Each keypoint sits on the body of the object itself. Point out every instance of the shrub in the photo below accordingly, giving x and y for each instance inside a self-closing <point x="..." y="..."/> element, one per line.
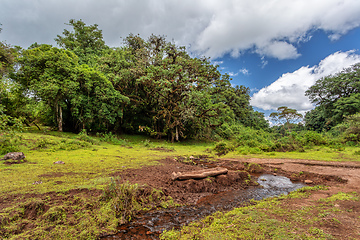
<point x="350" y="128"/>
<point x="9" y="139"/>
<point x="315" y="138"/>
<point x="223" y="148"/>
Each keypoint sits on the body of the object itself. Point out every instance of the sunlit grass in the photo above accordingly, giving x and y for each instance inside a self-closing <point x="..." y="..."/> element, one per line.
<point x="315" y="153"/>
<point x="88" y="166"/>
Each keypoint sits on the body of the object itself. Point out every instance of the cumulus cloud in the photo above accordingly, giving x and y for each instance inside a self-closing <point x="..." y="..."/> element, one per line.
<point x="289" y="89"/>
<point x="279" y="50"/>
<point x="207" y="27"/>
<point x="273" y="27"/>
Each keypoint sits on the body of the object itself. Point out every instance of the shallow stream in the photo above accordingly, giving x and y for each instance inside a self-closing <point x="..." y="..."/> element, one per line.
<point x="151" y="224"/>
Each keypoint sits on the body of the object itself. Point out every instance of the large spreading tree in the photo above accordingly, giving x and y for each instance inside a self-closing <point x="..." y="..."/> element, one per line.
<point x="335" y="96"/>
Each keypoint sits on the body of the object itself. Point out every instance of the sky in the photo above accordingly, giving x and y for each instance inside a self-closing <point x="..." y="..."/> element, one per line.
<point x="276" y="48"/>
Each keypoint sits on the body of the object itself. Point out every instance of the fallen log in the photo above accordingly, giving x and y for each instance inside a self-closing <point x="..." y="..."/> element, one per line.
<point x="198" y="174"/>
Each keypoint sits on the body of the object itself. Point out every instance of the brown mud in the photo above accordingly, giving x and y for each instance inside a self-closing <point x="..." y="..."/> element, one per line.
<point x="200" y="194"/>
<point x="218" y="193"/>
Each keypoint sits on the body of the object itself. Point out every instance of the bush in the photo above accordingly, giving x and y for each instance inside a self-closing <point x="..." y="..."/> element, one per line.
<point x="111" y="138"/>
<point x="9" y="139"/>
<point x="315" y="138"/>
<point x="350" y="129"/>
<point x="223" y="148"/>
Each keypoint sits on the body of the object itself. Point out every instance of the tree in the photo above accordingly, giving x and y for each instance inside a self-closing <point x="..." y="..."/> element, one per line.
<point x="96" y="105"/>
<point x="79" y="96"/>
<point x="48" y="73"/>
<point x="85" y="41"/>
<point x="171" y="94"/>
<point x="286" y="117"/>
<point x="336" y="96"/>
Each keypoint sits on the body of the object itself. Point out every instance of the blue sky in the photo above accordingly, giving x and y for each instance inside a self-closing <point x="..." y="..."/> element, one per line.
<point x="251" y="72"/>
<point x="257" y="72"/>
<point x="277" y="48"/>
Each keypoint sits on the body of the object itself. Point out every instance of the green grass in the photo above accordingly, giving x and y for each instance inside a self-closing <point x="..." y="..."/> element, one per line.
<point x="315" y="153"/>
<point x="86" y="165"/>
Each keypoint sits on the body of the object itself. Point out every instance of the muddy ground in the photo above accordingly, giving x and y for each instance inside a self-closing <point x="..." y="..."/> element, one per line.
<point x="344" y="176"/>
<point x="339" y="176"/>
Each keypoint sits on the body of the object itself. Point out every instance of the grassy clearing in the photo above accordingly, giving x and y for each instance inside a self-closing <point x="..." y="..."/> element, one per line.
<point x="277" y="218"/>
<point x="320" y="153"/>
<point x="88" y="164"/>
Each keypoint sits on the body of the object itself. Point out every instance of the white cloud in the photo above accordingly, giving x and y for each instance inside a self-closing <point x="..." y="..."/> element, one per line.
<point x="279" y="50"/>
<point x="244" y="71"/>
<point x="272" y="28"/>
<point x="231" y="74"/>
<point x="289" y="89"/>
<point x="217" y="62"/>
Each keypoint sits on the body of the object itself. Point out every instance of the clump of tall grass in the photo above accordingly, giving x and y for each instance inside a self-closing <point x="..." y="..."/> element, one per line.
<point x="127" y="199"/>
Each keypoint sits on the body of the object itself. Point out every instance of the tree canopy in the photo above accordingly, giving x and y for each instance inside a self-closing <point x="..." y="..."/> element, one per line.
<point x="335" y="96"/>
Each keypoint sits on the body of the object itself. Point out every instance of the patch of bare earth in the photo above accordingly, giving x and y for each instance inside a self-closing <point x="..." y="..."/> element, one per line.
<point x="187" y="191"/>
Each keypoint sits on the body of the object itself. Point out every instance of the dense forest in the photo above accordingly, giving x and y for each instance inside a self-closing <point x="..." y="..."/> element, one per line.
<point x="155" y="87"/>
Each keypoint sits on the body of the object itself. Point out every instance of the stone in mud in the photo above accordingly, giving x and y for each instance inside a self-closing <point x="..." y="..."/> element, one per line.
<point x="307" y="181"/>
<point x="14" y="156"/>
<point x="59" y="162"/>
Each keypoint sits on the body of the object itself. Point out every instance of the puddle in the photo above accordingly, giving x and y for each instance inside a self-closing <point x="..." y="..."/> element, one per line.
<point x="151" y="224"/>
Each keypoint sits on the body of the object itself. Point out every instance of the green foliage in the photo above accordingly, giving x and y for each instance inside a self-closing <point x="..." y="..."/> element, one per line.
<point x="149" y="85"/>
<point x="342" y="197"/>
<point x="223" y="148"/>
<point x="7" y="59"/>
<point x="85" y="41"/>
<point x="350" y="128"/>
<point x="111" y="138"/>
<point x="79" y="96"/>
<point x="336" y="97"/>
<point x="9" y="139"/>
<point x="286" y="117"/>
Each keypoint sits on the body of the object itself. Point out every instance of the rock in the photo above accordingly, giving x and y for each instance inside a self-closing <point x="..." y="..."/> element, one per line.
<point x="59" y="162"/>
<point x="14" y="156"/>
<point x="307" y="181"/>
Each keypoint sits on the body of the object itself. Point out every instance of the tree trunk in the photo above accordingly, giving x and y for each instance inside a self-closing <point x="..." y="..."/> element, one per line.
<point x="60" y="119"/>
<point x="199" y="174"/>
<point x="176" y="134"/>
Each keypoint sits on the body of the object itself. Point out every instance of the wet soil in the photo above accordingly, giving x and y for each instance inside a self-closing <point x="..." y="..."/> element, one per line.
<point x="226" y="192"/>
